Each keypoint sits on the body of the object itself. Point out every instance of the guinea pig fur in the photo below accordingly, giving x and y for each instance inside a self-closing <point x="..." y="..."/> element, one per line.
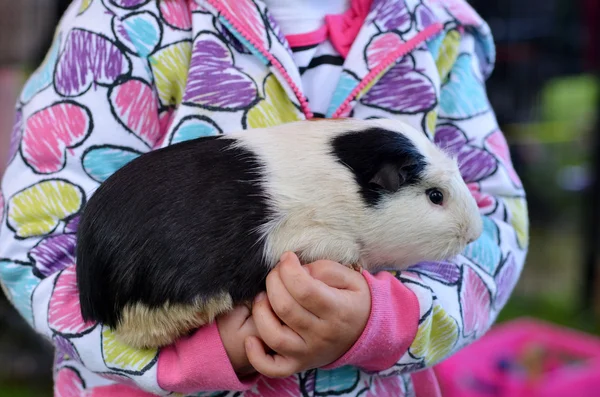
<point x="182" y="234"/>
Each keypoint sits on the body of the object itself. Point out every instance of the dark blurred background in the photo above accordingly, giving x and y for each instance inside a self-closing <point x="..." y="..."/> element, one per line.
<point x="546" y="93"/>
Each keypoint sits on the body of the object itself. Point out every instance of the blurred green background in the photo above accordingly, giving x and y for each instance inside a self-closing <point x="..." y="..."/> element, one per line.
<point x="546" y="94"/>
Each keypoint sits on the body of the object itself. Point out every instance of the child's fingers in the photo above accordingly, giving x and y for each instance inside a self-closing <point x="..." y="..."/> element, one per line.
<point x="235" y="319"/>
<point x="277" y="336"/>
<point x="286" y="307"/>
<point x="272" y="366"/>
<point x="240" y="314"/>
<point x="333" y="274"/>
<point x="312" y="294"/>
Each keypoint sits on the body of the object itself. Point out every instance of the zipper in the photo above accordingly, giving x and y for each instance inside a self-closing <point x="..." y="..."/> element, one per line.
<point x="407" y="47"/>
<point x="276" y="64"/>
<point x="404" y="49"/>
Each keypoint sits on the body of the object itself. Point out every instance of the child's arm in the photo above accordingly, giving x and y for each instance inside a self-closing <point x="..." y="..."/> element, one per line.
<point x="89" y="109"/>
<point x="422" y="316"/>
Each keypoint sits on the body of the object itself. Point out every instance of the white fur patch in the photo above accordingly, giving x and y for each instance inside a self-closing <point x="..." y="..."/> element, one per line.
<point x="319" y="214"/>
<point x="316" y="205"/>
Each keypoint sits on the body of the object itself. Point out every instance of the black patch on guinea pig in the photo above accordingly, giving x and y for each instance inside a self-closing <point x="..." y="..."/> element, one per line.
<point x="175" y="224"/>
<point x="383" y="161"/>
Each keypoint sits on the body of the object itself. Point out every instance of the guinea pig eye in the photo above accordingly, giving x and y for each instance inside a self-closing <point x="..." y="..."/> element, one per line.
<point x="435" y="196"/>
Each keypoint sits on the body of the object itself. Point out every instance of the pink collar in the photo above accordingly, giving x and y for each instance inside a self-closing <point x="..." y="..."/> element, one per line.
<point x="341" y="29"/>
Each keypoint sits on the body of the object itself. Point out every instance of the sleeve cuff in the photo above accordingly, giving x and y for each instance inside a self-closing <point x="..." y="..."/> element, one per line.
<point x="391" y="327"/>
<point x="199" y="363"/>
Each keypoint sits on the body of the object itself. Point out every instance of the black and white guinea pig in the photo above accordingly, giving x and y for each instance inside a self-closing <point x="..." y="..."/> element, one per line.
<point x="182" y="234"/>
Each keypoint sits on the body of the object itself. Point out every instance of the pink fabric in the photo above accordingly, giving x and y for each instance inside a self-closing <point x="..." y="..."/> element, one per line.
<point x="341" y="29"/>
<point x="305" y="39"/>
<point x="391" y="327"/>
<point x="344" y="28"/>
<point x="511" y="343"/>
<point x="199" y="363"/>
<point x="426" y="383"/>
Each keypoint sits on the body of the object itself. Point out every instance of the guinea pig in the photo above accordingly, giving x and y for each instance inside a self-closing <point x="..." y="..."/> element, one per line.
<point x="181" y="234"/>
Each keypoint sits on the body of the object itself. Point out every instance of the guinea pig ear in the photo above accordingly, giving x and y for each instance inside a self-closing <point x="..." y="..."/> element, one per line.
<point x="389" y="178"/>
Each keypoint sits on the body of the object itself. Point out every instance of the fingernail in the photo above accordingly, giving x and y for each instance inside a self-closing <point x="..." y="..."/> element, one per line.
<point x="259" y="297"/>
<point x="284" y="257"/>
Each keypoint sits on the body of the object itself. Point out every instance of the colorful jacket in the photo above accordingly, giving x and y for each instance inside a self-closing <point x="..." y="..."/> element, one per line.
<point x="124" y="77"/>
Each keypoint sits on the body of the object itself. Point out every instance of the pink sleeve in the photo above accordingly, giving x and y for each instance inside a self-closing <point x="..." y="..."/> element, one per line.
<point x="199" y="363"/>
<point x="389" y="330"/>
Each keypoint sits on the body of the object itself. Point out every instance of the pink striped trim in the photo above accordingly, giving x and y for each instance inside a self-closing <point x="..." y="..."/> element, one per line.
<point x="403" y="50"/>
<point x="311" y="38"/>
<point x="303" y="101"/>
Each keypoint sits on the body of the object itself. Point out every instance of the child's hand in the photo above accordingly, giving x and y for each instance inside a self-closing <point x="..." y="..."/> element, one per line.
<point x="324" y="307"/>
<point x="234" y="327"/>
